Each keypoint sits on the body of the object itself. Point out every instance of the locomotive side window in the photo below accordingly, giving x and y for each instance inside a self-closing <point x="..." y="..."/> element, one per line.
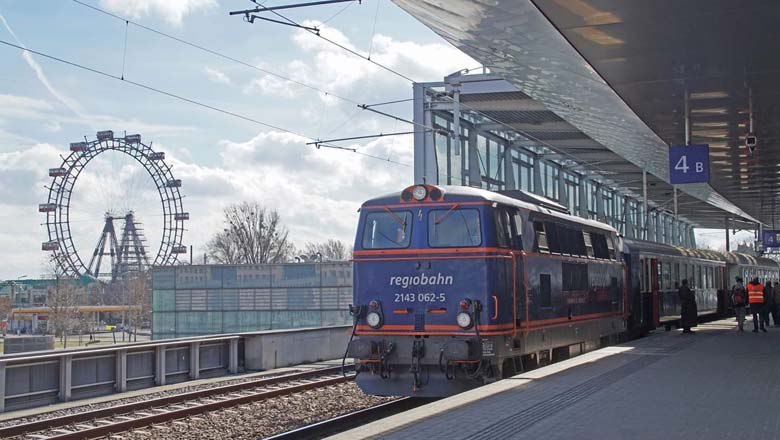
<point x="545" y="290"/>
<point x="610" y="248"/>
<point x="503" y="228"/>
<point x="600" y="249"/>
<point x="454" y="228"/>
<point x="588" y="245"/>
<point x="541" y="238"/>
<point x="387" y="230"/>
<point x="553" y="237"/>
<point x="517" y="227"/>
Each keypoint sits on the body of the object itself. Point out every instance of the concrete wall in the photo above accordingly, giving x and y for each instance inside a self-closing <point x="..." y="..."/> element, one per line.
<point x="282" y="348"/>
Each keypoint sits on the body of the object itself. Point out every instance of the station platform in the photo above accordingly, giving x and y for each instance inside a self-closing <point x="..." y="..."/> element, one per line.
<point x="716" y="384"/>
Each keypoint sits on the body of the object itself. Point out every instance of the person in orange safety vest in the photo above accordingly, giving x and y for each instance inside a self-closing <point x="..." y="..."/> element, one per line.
<point x="756" y="300"/>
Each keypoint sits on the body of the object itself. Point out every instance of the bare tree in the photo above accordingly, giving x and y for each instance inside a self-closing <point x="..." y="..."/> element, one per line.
<point x="139" y="296"/>
<point x="252" y="234"/>
<point x="62" y="302"/>
<point x="331" y="250"/>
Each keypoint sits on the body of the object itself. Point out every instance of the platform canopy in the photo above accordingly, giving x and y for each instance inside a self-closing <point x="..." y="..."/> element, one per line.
<point x="619" y="73"/>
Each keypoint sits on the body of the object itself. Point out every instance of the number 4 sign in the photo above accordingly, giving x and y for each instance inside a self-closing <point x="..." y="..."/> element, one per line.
<point x="689" y="164"/>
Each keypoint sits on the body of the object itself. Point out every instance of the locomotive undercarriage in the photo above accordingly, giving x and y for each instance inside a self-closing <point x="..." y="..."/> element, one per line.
<point x="435" y="366"/>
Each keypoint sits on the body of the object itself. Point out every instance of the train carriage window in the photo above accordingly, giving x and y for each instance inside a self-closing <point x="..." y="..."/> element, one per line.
<point x="710" y="278"/>
<point x="588" y="244"/>
<point x="545" y="290"/>
<point x="643" y="281"/>
<point x="699" y="280"/>
<point x="667" y="276"/>
<point x="387" y="230"/>
<point x="676" y="274"/>
<point x="541" y="238"/>
<point x="517" y="228"/>
<point x="454" y="227"/>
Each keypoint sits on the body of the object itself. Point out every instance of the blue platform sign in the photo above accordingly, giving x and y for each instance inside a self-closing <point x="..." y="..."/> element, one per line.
<point x="689" y="164"/>
<point x="771" y="238"/>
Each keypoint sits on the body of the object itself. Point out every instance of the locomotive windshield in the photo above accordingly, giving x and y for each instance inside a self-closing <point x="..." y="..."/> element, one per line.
<point x="387" y="230"/>
<point x="454" y="227"/>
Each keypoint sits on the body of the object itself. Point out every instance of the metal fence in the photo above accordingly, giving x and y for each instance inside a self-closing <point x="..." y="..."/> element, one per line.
<point x="212" y="299"/>
<point x="42" y="378"/>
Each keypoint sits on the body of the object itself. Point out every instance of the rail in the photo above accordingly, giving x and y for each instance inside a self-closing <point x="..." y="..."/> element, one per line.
<point x="94" y="423"/>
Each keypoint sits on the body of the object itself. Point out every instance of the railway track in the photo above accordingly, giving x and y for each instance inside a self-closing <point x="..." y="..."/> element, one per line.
<point x="121" y="418"/>
<point x="351" y="420"/>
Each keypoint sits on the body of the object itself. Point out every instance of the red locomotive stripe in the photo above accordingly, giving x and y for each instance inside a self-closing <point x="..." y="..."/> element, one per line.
<point x="462" y="257"/>
<point x="486" y="327"/>
<point x="412" y="205"/>
<point x="454" y="250"/>
<point x="425" y="333"/>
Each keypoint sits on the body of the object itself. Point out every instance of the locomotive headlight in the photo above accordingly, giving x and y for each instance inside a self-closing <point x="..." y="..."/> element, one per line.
<point x="374" y="319"/>
<point x="464" y="320"/>
<point x="419" y="192"/>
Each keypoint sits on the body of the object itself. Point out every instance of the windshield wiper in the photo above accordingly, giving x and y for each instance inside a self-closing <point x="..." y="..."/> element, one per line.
<point x="446" y="214"/>
<point x="397" y="219"/>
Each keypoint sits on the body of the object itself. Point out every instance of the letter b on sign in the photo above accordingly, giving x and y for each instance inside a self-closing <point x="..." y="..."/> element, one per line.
<point x="689" y="164"/>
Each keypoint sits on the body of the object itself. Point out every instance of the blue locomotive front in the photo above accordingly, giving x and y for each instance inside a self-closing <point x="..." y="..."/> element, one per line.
<point x="445" y="298"/>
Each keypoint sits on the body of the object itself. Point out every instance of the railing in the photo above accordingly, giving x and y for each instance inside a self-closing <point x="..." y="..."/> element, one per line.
<point x="46" y="377"/>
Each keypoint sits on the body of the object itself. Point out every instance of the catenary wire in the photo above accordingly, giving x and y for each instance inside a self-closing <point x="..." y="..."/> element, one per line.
<point x="175" y="96"/>
<point x="235" y="60"/>
<point x="523" y="133"/>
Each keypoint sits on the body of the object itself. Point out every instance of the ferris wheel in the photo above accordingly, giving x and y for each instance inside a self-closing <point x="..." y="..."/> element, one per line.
<point x="89" y="177"/>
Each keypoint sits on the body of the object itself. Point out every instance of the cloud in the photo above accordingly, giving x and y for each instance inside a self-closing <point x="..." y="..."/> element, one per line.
<point x="332" y="68"/>
<point x="216" y="75"/>
<point x="172" y="11"/>
<point x="270" y="85"/>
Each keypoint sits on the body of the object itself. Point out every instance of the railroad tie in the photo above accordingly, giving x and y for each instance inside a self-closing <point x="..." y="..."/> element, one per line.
<point x="61" y="431"/>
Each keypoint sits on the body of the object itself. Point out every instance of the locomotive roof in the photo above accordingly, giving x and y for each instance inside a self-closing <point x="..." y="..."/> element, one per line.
<point x="455" y="194"/>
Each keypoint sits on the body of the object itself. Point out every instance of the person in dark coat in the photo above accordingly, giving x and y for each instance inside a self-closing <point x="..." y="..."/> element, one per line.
<point x="688" y="313"/>
<point x="769" y="302"/>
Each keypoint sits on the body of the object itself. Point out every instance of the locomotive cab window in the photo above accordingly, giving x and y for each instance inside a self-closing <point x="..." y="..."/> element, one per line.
<point x="454" y="227"/>
<point x="387" y="230"/>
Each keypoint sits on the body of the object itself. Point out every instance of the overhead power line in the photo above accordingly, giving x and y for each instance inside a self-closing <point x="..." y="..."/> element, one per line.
<point x="175" y="96"/>
<point x="523" y="133"/>
<point x="218" y="54"/>
<point x="236" y="60"/>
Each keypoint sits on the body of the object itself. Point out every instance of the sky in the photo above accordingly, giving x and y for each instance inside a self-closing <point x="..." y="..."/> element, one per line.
<point x="221" y="159"/>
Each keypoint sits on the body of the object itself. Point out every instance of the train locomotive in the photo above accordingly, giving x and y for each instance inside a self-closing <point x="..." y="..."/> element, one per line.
<point x="455" y="287"/>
